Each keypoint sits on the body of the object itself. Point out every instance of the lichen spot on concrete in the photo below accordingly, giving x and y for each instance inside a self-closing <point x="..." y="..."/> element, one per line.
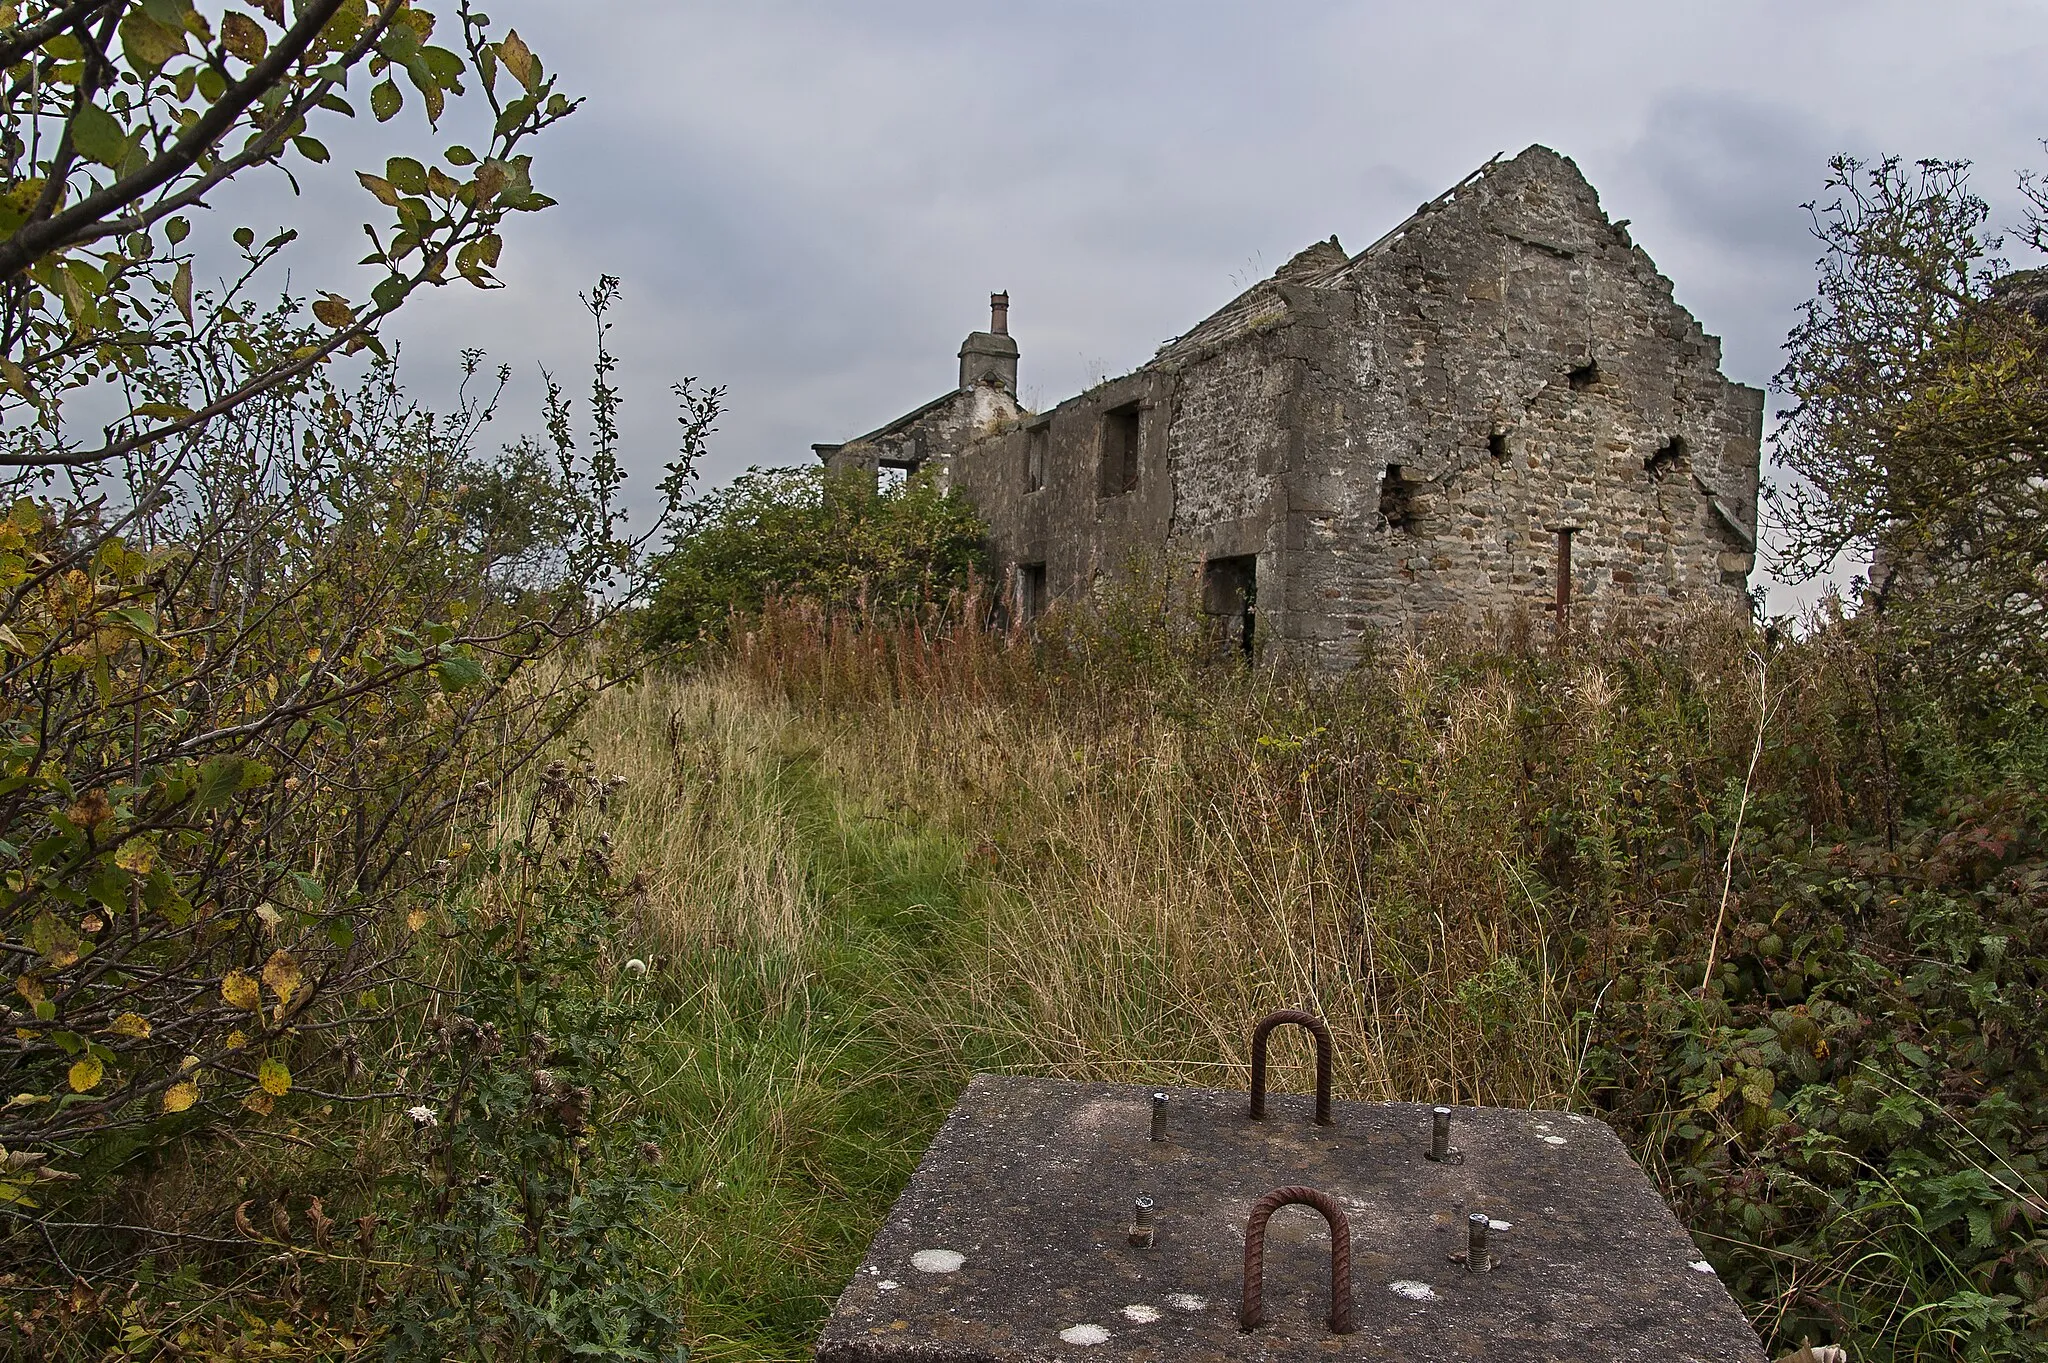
<point x="1186" y="1301"/>
<point x="888" y="1285"/>
<point x="937" y="1261"/>
<point x="1700" y="1266"/>
<point x="1553" y="1140"/>
<point x="1500" y="1225"/>
<point x="1084" y="1334"/>
<point x="1141" y="1314"/>
<point x="1413" y="1291"/>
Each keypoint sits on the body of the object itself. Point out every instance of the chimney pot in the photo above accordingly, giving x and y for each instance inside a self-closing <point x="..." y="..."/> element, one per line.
<point x="999" y="313"/>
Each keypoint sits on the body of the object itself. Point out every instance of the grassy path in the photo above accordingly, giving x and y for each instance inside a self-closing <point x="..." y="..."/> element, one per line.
<point x="800" y="1084"/>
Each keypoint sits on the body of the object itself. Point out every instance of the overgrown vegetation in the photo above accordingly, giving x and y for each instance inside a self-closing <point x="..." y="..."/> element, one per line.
<point x="1786" y="942"/>
<point x="1918" y="378"/>
<point x="390" y="978"/>
<point x="841" y="544"/>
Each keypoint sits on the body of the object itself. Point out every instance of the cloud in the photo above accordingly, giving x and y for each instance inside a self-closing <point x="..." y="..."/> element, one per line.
<point x="810" y="202"/>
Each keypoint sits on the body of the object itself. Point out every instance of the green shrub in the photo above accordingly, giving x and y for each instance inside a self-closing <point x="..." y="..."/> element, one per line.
<point x="800" y="534"/>
<point x="524" y="1210"/>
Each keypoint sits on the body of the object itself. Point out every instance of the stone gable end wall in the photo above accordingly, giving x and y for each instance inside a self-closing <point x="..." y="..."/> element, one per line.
<point x="1468" y="327"/>
<point x="1446" y="353"/>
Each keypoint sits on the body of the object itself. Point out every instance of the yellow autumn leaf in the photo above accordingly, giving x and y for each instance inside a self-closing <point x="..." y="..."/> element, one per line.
<point x="237" y="1039"/>
<point x="240" y="989"/>
<point x="258" y="1102"/>
<point x="180" y="1096"/>
<point x="333" y="311"/>
<point x="416" y="920"/>
<point x="281" y="973"/>
<point x="131" y="1025"/>
<point x="137" y="856"/>
<point x="274" y="1077"/>
<point x="86" y="1074"/>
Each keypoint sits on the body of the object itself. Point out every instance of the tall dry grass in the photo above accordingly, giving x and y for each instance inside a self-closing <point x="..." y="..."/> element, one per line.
<point x="1161" y="849"/>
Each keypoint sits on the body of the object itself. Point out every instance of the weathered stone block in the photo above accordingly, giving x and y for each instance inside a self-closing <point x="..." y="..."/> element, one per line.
<point x="1013" y="1241"/>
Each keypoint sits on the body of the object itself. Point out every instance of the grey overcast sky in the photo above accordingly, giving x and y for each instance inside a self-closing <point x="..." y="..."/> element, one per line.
<point x="810" y="202"/>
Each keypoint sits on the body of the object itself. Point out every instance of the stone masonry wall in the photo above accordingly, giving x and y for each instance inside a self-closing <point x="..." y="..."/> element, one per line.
<point x="1397" y="436"/>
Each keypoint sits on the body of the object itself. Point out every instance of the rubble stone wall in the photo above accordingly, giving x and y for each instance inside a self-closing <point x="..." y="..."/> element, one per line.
<point x="1398" y="437"/>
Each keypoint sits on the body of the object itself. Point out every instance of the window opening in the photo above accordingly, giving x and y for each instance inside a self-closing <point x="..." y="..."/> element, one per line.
<point x="1122" y="431"/>
<point x="1031" y="597"/>
<point x="1584" y="376"/>
<point x="1497" y="444"/>
<point x="1230" y="598"/>
<point x="890" y="478"/>
<point x="1668" y="456"/>
<point x="1035" y="443"/>
<point x="1397" y="498"/>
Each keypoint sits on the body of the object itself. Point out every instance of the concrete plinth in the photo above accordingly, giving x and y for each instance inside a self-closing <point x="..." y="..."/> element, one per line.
<point x="1012" y="1243"/>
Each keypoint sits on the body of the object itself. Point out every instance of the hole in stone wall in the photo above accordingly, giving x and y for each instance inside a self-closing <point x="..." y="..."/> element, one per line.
<point x="1122" y="432"/>
<point x="1584" y="377"/>
<point x="1036" y="443"/>
<point x="1668" y="456"/>
<point x="1230" y="598"/>
<point x="1397" y="498"/>
<point x="1031" y="599"/>
<point x="1497" y="444"/>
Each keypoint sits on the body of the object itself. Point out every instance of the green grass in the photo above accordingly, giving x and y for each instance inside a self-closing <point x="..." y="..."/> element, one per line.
<point x="796" y="1110"/>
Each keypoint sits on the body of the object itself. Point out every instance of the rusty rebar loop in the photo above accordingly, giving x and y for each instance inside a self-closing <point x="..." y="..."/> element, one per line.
<point x="1252" y="1313"/>
<point x="1318" y="1029"/>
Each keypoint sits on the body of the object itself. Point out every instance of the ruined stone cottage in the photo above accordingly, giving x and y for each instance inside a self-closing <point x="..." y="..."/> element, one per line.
<point x="1497" y="407"/>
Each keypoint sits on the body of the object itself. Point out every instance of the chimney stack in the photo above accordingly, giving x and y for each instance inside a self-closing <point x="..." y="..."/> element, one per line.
<point x="991" y="356"/>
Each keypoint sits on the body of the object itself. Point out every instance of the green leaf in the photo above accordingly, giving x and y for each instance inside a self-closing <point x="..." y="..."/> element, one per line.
<point x="409" y="175"/>
<point x="245" y="237"/>
<point x="218" y="782"/>
<point x="52" y="939"/>
<point x="386" y="100"/>
<point x="457" y="673"/>
<point x="99" y="136"/>
<point x="311" y="148"/>
<point x="147" y="44"/>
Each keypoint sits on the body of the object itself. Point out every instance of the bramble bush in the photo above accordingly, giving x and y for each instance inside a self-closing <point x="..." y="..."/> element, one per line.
<point x="524" y="1210"/>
